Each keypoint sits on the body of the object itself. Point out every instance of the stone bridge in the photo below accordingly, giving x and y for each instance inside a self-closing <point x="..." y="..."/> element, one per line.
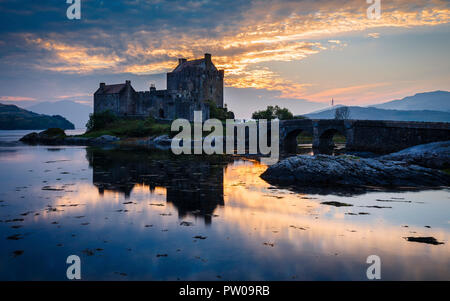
<point x="362" y="135"/>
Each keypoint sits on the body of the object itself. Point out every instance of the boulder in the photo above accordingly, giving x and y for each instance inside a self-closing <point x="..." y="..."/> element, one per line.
<point x="163" y="142"/>
<point x="49" y="136"/>
<point x="324" y="170"/>
<point x="105" y="139"/>
<point x="52" y="133"/>
<point x="78" y="141"/>
<point x="431" y="155"/>
<point x="31" y="138"/>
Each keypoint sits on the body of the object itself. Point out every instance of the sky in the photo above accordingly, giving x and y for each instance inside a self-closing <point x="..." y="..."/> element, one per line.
<point x="297" y="54"/>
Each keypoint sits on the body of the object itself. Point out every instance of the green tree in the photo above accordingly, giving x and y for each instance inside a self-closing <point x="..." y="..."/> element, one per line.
<point x="273" y="113"/>
<point x="100" y="120"/>
<point x="219" y="113"/>
<point x="342" y="113"/>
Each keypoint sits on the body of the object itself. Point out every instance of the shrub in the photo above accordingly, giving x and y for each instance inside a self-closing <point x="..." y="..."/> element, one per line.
<point x="342" y="113"/>
<point x="104" y="125"/>
<point x="219" y="113"/>
<point x="100" y="121"/>
<point x="54" y="133"/>
<point x="273" y="113"/>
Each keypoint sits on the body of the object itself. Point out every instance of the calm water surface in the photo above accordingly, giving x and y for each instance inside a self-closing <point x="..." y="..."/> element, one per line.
<point x="15" y="135"/>
<point x="134" y="215"/>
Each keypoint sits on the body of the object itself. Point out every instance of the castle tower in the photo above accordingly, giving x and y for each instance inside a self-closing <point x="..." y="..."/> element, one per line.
<point x="197" y="80"/>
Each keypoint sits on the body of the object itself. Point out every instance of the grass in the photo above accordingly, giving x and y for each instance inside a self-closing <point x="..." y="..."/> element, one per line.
<point x="129" y="129"/>
<point x="338" y="138"/>
<point x="351" y="157"/>
<point x="305" y="138"/>
<point x="447" y="171"/>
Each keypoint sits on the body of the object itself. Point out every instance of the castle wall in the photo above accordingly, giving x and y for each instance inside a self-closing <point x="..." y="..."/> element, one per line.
<point x="106" y="102"/>
<point x="159" y="105"/>
<point x="164" y="104"/>
<point x="145" y="105"/>
<point x="188" y="87"/>
<point x="122" y="103"/>
<point x="198" y="84"/>
<point x="128" y="101"/>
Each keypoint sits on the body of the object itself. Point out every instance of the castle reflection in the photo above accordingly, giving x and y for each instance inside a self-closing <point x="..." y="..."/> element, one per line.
<point x="194" y="186"/>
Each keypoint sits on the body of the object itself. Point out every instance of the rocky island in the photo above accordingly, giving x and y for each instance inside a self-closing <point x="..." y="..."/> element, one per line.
<point x="395" y="170"/>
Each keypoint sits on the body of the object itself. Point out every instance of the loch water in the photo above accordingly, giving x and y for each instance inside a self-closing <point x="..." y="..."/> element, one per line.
<point x="146" y="215"/>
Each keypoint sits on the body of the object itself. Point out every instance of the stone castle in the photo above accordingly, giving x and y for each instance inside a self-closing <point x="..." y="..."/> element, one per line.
<point x="189" y="88"/>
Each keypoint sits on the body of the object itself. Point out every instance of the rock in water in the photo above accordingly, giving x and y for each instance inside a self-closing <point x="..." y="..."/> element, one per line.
<point x="431" y="155"/>
<point x="30" y="138"/>
<point x="323" y="170"/>
<point x="106" y="139"/>
<point x="49" y="136"/>
<point x="161" y="142"/>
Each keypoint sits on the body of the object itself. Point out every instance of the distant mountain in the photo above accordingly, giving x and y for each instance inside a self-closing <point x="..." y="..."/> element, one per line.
<point x="372" y="113"/>
<point x="14" y="118"/>
<point x="434" y="101"/>
<point x="75" y="112"/>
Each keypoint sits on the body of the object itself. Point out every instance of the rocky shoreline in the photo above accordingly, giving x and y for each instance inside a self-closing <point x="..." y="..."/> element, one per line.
<point x="53" y="137"/>
<point x="432" y="155"/>
<point x="418" y="166"/>
<point x="350" y="171"/>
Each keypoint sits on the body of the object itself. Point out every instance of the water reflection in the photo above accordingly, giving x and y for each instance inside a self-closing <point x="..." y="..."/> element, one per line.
<point x="192" y="186"/>
<point x="307" y="149"/>
<point x="119" y="209"/>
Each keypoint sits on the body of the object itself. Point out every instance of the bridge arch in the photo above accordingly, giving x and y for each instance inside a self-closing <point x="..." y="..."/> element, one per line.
<point x="325" y="143"/>
<point x="290" y="139"/>
<point x="289" y="130"/>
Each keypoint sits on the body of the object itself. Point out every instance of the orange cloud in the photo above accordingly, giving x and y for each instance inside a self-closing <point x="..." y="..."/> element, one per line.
<point x="73" y="58"/>
<point x="243" y="50"/>
<point x="374" y="35"/>
<point x="343" y="92"/>
<point x="16" y="98"/>
<point x="73" y="95"/>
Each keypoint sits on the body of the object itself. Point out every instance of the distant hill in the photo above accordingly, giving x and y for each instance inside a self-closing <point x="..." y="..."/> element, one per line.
<point x="372" y="113"/>
<point x="434" y="101"/>
<point x="75" y="112"/>
<point x="14" y="118"/>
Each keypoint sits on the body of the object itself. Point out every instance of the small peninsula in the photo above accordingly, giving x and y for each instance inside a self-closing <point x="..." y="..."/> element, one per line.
<point x="15" y="118"/>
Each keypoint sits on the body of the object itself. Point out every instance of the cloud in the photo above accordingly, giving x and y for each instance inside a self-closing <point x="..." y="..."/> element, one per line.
<point x="344" y="92"/>
<point x="374" y="35"/>
<point x="73" y="58"/>
<point x="84" y="102"/>
<point x="147" y="37"/>
<point x="16" y="98"/>
<point x="75" y="95"/>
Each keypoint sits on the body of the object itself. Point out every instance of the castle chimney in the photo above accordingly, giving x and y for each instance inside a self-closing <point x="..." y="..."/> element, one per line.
<point x="128" y="82"/>
<point x="181" y="61"/>
<point x="102" y="85"/>
<point x="152" y="88"/>
<point x="208" y="61"/>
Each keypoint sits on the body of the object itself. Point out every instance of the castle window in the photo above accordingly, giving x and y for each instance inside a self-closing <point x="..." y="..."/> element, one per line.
<point x="161" y="113"/>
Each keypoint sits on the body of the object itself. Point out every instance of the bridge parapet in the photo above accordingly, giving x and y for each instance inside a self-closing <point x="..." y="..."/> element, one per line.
<point x="363" y="135"/>
<point x="391" y="136"/>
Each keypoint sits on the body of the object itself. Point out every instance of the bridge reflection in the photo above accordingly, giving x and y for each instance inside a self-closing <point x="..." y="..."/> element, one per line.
<point x="194" y="186"/>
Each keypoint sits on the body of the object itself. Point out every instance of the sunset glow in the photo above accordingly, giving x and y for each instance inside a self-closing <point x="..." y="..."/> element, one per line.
<point x="259" y="46"/>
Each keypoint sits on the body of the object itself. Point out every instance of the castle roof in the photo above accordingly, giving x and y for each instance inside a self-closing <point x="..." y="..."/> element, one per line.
<point x="198" y="63"/>
<point x="113" y="89"/>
